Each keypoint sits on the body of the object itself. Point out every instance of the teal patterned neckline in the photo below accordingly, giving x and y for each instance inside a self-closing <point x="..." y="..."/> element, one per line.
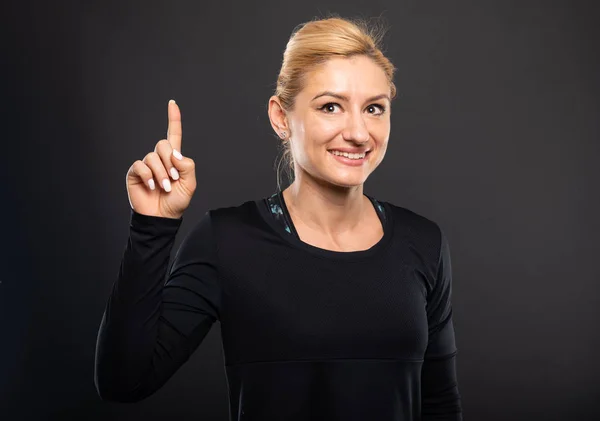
<point x="278" y="209"/>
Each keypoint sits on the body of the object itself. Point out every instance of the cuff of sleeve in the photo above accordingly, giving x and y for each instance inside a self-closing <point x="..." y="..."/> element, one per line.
<point x="148" y="223"/>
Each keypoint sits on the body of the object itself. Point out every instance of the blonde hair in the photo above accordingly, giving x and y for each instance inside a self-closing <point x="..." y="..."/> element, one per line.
<point x="313" y="43"/>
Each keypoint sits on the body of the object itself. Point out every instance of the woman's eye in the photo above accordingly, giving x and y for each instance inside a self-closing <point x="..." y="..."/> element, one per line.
<point x="375" y="106"/>
<point x="329" y="107"/>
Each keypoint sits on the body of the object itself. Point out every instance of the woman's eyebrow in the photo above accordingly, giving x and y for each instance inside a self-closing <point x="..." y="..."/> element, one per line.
<point x="345" y="98"/>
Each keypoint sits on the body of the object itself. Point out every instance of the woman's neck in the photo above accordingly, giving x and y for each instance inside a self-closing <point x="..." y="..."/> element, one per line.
<point x="330" y="210"/>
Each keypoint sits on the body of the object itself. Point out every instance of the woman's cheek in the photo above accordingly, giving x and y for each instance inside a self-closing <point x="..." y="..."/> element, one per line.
<point x="327" y="131"/>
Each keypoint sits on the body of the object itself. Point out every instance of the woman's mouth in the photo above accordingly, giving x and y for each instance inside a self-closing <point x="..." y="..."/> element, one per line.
<point x="351" y="159"/>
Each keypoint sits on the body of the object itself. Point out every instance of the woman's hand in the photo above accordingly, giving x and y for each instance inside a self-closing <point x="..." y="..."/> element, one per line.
<point x="161" y="184"/>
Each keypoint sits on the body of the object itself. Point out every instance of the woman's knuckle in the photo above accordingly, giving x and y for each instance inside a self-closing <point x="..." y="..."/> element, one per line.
<point x="150" y="157"/>
<point x="161" y="145"/>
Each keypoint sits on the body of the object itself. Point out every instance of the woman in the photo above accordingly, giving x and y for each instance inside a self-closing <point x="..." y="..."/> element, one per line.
<point x="333" y="305"/>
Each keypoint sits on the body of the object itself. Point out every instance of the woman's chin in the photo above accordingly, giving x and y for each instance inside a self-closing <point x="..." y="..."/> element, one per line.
<point x="346" y="181"/>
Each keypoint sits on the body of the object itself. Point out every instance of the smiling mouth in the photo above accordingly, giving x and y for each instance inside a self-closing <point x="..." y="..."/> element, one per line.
<point x="353" y="157"/>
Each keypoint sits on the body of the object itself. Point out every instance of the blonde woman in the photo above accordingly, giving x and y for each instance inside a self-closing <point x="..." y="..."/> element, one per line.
<point x="333" y="305"/>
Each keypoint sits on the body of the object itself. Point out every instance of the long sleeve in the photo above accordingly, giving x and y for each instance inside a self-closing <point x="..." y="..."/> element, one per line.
<point x="156" y="317"/>
<point x="440" y="395"/>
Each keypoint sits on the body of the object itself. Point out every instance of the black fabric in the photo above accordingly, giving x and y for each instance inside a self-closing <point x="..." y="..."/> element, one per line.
<point x="308" y="333"/>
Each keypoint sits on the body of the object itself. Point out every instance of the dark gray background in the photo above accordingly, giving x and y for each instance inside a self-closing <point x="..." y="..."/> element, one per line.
<point x="494" y="136"/>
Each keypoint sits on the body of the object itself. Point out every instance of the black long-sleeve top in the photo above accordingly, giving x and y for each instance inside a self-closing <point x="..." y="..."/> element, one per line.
<point x="308" y="333"/>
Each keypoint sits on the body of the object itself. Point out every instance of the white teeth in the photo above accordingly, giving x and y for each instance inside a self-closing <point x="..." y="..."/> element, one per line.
<point x="349" y="155"/>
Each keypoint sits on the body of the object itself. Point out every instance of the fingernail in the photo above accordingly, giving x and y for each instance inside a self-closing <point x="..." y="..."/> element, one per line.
<point x="177" y="154"/>
<point x="167" y="184"/>
<point x="172" y="101"/>
<point x="174" y="173"/>
<point x="151" y="184"/>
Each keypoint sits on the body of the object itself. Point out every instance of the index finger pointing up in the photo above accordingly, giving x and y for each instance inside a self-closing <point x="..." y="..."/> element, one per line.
<point x="174" y="129"/>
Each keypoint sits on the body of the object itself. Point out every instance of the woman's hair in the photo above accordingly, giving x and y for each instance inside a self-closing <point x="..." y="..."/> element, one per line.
<point x="313" y="43"/>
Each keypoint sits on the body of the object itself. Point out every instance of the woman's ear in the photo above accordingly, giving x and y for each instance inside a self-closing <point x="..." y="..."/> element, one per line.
<point x="278" y="118"/>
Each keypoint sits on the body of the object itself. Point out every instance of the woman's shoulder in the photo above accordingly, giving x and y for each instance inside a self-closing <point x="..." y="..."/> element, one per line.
<point x="245" y="211"/>
<point x="409" y="219"/>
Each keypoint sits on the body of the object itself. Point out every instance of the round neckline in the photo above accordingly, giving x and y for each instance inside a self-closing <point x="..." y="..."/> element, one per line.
<point x="294" y="239"/>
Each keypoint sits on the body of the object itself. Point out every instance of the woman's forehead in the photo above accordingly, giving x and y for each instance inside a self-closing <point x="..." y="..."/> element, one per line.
<point x="355" y="76"/>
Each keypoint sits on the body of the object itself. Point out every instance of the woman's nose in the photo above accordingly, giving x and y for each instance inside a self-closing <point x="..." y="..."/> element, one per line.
<point x="356" y="129"/>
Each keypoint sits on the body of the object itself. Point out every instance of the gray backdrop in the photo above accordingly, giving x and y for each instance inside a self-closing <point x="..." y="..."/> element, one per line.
<point x="494" y="136"/>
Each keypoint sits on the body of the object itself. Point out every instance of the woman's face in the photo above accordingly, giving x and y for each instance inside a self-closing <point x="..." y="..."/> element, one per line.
<point x="345" y="105"/>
